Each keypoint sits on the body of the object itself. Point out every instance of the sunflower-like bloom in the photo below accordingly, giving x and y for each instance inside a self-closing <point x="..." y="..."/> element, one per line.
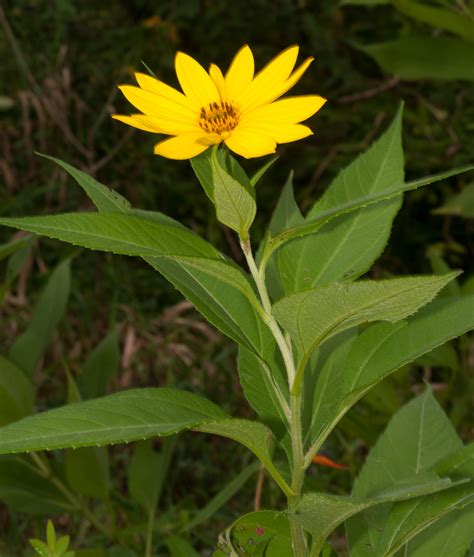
<point x="239" y="108"/>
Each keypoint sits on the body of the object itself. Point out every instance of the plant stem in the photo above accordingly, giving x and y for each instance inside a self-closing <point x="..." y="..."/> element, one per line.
<point x="300" y="548"/>
<point x="149" y="533"/>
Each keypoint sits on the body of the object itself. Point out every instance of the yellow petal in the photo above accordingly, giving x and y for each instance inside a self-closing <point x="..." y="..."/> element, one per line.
<point x="156" y="86"/>
<point x="290" y="110"/>
<point x="134" y="122"/>
<point x="281" y="132"/>
<point x="157" y="105"/>
<point x="182" y="147"/>
<point x="240" y="73"/>
<point x="294" y="78"/>
<point x="216" y="76"/>
<point x="195" y="81"/>
<point x="249" y="144"/>
<point x="168" y="126"/>
<point x="269" y="80"/>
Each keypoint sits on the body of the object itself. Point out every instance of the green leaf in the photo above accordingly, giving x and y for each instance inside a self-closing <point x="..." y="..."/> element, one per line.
<point x="24" y="489"/>
<point x="348" y="246"/>
<point x="312" y="225"/>
<point x="457" y="23"/>
<point x="218" y="288"/>
<point x="255" y="179"/>
<point x="417" y="438"/>
<point x="101" y="366"/>
<point x="104" y="198"/>
<point x="424" y="57"/>
<point x="118" y="418"/>
<point x="16" y="393"/>
<point x="228" y="187"/>
<point x="263" y="533"/>
<point x="461" y="204"/>
<point x="147" y="472"/>
<point x="117" y="233"/>
<point x="313" y="316"/>
<point x="383" y="348"/>
<point x="50" y="535"/>
<point x="221" y="498"/>
<point x="31" y="345"/>
<point x="253" y="435"/>
<point x="321" y="513"/>
<point x="62" y="545"/>
<point x="41" y="548"/>
<point x="87" y="471"/>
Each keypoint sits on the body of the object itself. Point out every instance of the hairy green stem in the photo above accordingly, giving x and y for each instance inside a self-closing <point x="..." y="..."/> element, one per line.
<point x="300" y="548"/>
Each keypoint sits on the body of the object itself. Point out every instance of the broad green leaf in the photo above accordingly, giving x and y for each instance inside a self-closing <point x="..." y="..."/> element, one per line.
<point x="383" y="348"/>
<point x="285" y="216"/>
<point x="457" y="23"/>
<point x="118" y="418"/>
<point x="253" y="435"/>
<point x="323" y="382"/>
<point x="104" y="198"/>
<point x="312" y="225"/>
<point x="87" y="471"/>
<point x="16" y="393"/>
<point x="24" y="489"/>
<point x="118" y="233"/>
<point x="227" y="186"/>
<point x="449" y="536"/>
<point x="417" y="438"/>
<point x="263" y="533"/>
<point x="41" y="548"/>
<point x="147" y="472"/>
<point x="461" y="204"/>
<point x="424" y="57"/>
<point x="221" y="498"/>
<point x="180" y="547"/>
<point x="31" y="345"/>
<point x="101" y="366"/>
<point x="347" y="247"/>
<point x="313" y="316"/>
<point x="321" y="513"/>
<point x="218" y="289"/>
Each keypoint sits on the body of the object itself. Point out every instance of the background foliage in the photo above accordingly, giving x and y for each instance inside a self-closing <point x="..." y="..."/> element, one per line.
<point x="61" y="62"/>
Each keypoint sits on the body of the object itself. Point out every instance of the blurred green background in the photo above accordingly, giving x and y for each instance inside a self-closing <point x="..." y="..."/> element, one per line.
<point x="61" y="63"/>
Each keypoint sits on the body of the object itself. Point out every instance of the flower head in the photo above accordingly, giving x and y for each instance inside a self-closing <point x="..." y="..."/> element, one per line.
<point x="239" y="108"/>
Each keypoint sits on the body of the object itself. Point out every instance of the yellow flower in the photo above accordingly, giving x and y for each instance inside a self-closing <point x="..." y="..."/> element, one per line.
<point x="241" y="109"/>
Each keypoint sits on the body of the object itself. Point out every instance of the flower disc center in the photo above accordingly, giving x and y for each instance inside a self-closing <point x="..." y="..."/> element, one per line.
<point x="218" y="117"/>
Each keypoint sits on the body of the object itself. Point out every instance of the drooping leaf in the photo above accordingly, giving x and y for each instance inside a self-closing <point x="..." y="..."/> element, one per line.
<point x="118" y="418"/>
<point x="253" y="435"/>
<point x="424" y="57"/>
<point x="31" y="345"/>
<point x="16" y="393"/>
<point x="347" y="247"/>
